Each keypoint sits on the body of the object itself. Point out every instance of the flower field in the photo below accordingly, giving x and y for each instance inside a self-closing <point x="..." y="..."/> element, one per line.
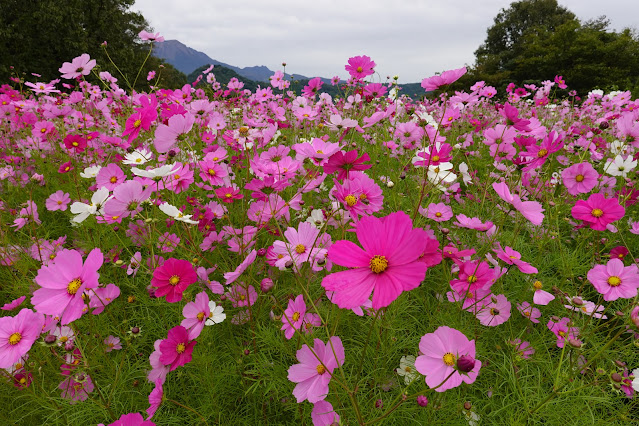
<point x="208" y="255"/>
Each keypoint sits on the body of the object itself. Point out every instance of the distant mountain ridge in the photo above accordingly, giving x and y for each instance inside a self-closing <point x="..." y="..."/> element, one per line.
<point x="188" y="60"/>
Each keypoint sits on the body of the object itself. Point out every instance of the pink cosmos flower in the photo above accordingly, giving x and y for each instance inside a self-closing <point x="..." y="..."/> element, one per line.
<point x="147" y="36"/>
<point x="112" y="344"/>
<point x="75" y="389"/>
<point x="388" y="265"/>
<point x="82" y="65"/>
<point x="232" y="276"/>
<point x="103" y="296"/>
<point x="158" y="370"/>
<point x="293" y="316"/>
<point x="177" y="349"/>
<point x="360" y="67"/>
<point x="132" y="419"/>
<point x="585" y="307"/>
<point x="110" y="177"/>
<point x="598" y="211"/>
<point x="155" y="400"/>
<point x="302" y="244"/>
<point x="323" y="414"/>
<point x="528" y="311"/>
<point x="59" y="200"/>
<point x="13" y="304"/>
<point x="531" y="210"/>
<point x="26" y="214"/>
<point x="439" y="212"/>
<point x="579" y="178"/>
<point x="228" y="194"/>
<point x="345" y="163"/>
<point x="168" y="135"/>
<point x="523" y="350"/>
<point x="512" y="257"/>
<point x="563" y="330"/>
<point x="473" y="301"/>
<point x="541" y="297"/>
<point x="240" y="296"/>
<point x="473" y="275"/>
<point x="63" y="283"/>
<point x="172" y="278"/>
<point x="447" y="77"/>
<point x="196" y="314"/>
<point x="314" y="372"/>
<point x="17" y="335"/>
<point x="496" y="312"/>
<point x="359" y="194"/>
<point x="615" y="281"/>
<point x="441" y="351"/>
<point x="475" y="223"/>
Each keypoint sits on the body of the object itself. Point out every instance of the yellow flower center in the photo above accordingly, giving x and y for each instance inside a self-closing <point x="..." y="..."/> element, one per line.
<point x="320" y="369"/>
<point x="296" y="316"/>
<point x="408" y="369"/>
<point x="211" y="172"/>
<point x="74" y="143"/>
<point x="360" y="69"/>
<point x="228" y="195"/>
<point x="137" y="123"/>
<point x="449" y="359"/>
<point x="435" y="158"/>
<point x="74" y="286"/>
<point x="472" y="279"/>
<point x="200" y="316"/>
<point x="579" y="178"/>
<point x="299" y="249"/>
<point x="378" y="264"/>
<point x="542" y="152"/>
<point x="15" y="338"/>
<point x="113" y="179"/>
<point x="351" y="200"/>
<point x="174" y="280"/>
<point x="438" y="214"/>
<point x="180" y="348"/>
<point x="43" y="130"/>
<point x="597" y="212"/>
<point x="537" y="285"/>
<point x="494" y="312"/>
<point x="614" y="281"/>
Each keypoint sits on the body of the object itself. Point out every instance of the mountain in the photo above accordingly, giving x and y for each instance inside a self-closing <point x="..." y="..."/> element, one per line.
<point x="188" y="60"/>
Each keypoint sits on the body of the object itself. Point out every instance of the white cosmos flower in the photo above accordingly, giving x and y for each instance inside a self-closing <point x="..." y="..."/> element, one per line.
<point x="176" y="214"/>
<point x="407" y="369"/>
<point x="83" y="210"/>
<point x="90" y="172"/>
<point x="619" y="166"/>
<point x="463" y="169"/>
<point x="137" y="157"/>
<point x="316" y="218"/>
<point x="217" y="314"/>
<point x="159" y="172"/>
<point x="441" y="173"/>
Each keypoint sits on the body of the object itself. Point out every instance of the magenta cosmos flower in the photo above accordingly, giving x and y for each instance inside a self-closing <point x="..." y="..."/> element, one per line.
<point x="360" y="66"/>
<point x="615" y="281"/>
<point x="64" y="281"/>
<point x="447" y="77"/>
<point x="598" y="211"/>
<point x="17" y="335"/>
<point x="177" y="349"/>
<point x="315" y="370"/>
<point x="442" y="351"/>
<point x="132" y="419"/>
<point x="388" y="265"/>
<point x="531" y="210"/>
<point x="580" y="178"/>
<point x="172" y="278"/>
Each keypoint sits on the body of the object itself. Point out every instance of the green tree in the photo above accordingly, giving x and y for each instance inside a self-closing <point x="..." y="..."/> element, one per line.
<point x="37" y="36"/>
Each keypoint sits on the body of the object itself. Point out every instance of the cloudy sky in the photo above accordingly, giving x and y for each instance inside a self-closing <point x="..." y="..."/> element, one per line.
<point x="410" y="38"/>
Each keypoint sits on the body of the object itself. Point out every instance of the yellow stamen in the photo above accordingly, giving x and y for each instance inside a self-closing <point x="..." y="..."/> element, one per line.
<point x="378" y="264"/>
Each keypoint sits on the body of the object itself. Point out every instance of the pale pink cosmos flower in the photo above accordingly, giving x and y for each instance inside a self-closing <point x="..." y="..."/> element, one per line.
<point x="439" y="212"/>
<point x="541" y="297"/>
<point x="496" y="312"/>
<point x="59" y="200"/>
<point x="240" y="296"/>
<point x="293" y="316"/>
<point x="26" y="214"/>
<point x="323" y="414"/>
<point x="75" y="389"/>
<point x="586" y="307"/>
<point x="315" y="370"/>
<point x="158" y="370"/>
<point x="301" y="245"/>
<point x="112" y="344"/>
<point x="199" y="313"/>
<point x="82" y="65"/>
<point x="523" y="350"/>
<point x="441" y="351"/>
<point x="615" y="281"/>
<point x="166" y="136"/>
<point x="13" y="304"/>
<point x="103" y="296"/>
<point x="155" y="399"/>
<point x="528" y="311"/>
<point x="475" y="223"/>
<point x="147" y="36"/>
<point x="232" y="276"/>
<point x="512" y="257"/>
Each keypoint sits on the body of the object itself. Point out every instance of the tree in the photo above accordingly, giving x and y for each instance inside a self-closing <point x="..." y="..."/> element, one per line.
<point x="37" y="36"/>
<point x="534" y="40"/>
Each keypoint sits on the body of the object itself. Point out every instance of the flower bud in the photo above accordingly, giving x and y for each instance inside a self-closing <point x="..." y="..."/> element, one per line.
<point x="50" y="339"/>
<point x="379" y="403"/>
<point x="616" y="377"/>
<point x="575" y="343"/>
<point x="467" y="405"/>
<point x="266" y="285"/>
<point x="422" y="401"/>
<point x="465" y="363"/>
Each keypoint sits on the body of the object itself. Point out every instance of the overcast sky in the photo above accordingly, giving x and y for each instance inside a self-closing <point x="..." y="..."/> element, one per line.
<point x="410" y="38"/>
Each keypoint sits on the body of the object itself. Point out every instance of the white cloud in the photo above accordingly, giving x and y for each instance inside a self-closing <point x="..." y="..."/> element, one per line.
<point x="412" y="38"/>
